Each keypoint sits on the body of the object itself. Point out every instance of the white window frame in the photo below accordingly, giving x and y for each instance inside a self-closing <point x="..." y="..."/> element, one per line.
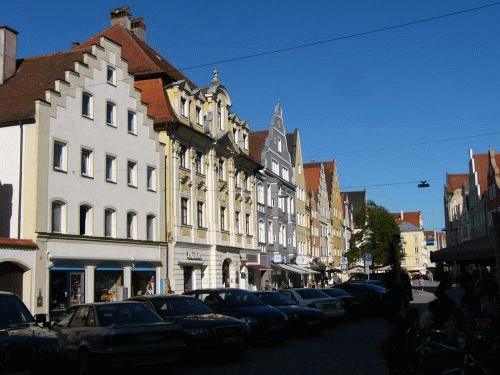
<point x="111" y="75"/>
<point x="111" y="113"/>
<point x="87" y="105"/>
<point x="151" y="178"/>
<point x="184" y="211"/>
<point x="110" y="223"/>
<point x="60" y="156"/>
<point x="87" y="162"/>
<point x="110" y="165"/>
<point x="132" y="173"/>
<point x="150" y="227"/>
<point x="58" y="219"/>
<point x="132" y="122"/>
<point x="85" y="220"/>
<point x="131" y="225"/>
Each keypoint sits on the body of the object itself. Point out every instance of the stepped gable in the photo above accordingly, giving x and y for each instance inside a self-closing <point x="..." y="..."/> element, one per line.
<point x="159" y="107"/>
<point x="143" y="60"/>
<point x="32" y="78"/>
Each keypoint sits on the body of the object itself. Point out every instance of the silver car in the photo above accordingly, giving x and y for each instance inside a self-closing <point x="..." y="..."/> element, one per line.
<point x="311" y="297"/>
<point x="116" y="334"/>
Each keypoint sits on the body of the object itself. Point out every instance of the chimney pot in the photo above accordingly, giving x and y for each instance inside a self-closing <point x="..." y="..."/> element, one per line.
<point x="138" y="27"/>
<point x="74" y="45"/>
<point x="121" y="16"/>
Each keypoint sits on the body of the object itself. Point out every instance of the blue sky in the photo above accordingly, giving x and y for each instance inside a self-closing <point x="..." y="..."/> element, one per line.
<point x="391" y="107"/>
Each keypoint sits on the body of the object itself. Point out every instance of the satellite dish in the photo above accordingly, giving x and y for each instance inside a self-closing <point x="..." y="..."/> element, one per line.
<point x="423" y="184"/>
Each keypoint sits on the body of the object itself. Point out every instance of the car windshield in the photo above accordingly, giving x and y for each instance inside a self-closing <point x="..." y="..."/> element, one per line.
<point x="311" y="293"/>
<point x="125" y="313"/>
<point x="336" y="292"/>
<point x="13" y="312"/>
<point x="239" y="298"/>
<point x="180" y="306"/>
<point x="275" y="299"/>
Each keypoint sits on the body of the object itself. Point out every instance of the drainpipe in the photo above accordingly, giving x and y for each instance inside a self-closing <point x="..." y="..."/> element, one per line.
<point x="19" y="210"/>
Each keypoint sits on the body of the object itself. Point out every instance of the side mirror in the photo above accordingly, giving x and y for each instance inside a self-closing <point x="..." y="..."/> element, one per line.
<point x="43" y="320"/>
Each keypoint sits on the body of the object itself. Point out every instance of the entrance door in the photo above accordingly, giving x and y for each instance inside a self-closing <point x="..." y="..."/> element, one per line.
<point x="77" y="288"/>
<point x="188" y="278"/>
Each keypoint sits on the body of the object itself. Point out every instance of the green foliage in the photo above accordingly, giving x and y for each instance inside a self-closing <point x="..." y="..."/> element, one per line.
<point x="378" y="229"/>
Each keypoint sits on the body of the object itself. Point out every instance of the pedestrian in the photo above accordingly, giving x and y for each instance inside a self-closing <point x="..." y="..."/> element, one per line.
<point x="266" y="285"/>
<point x="431" y="277"/>
<point x="421" y="283"/>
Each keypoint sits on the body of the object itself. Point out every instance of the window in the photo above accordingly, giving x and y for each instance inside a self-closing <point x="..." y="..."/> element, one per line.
<point x="132" y="173"/>
<point x="245" y="141"/>
<point x="110" y="168"/>
<point x="85" y="220"/>
<point x="237" y="222"/>
<point x="416" y="249"/>
<point x="86" y="163"/>
<point x="110" y="114"/>
<point x="221" y="169"/>
<point x="199" y="117"/>
<point x="199" y="208"/>
<point x="270" y="233"/>
<point x="60" y="156"/>
<point x="247" y="224"/>
<point x="269" y="200"/>
<point x="151" y="178"/>
<point x="262" y="238"/>
<point x="131" y="225"/>
<point x="184" y="107"/>
<point x="198" y="162"/>
<point x="111" y="75"/>
<point x="223" y="218"/>
<point x="184" y="211"/>
<point x="219" y="115"/>
<point x="109" y="223"/>
<point x="275" y="167"/>
<point x="182" y="157"/>
<point x="150" y="227"/>
<point x="260" y="193"/>
<point x="131" y="122"/>
<point x="285" y="174"/>
<point x="58" y="214"/>
<point x="87" y="105"/>
<point x="280" y="146"/>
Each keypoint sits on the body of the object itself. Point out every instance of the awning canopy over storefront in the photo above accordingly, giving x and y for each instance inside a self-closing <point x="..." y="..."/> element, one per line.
<point x="295" y="268"/>
<point x="259" y="267"/>
<point x="480" y="250"/>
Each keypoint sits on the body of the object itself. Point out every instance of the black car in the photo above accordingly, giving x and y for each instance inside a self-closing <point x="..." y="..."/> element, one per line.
<point x="25" y="346"/>
<point x="351" y="304"/>
<point x="376" y="300"/>
<point x="205" y="331"/>
<point x="302" y="320"/>
<point x="266" y="323"/>
<point x="117" y="334"/>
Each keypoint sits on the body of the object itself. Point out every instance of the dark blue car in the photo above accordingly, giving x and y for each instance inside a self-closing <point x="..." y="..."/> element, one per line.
<point x="266" y="323"/>
<point x="205" y="331"/>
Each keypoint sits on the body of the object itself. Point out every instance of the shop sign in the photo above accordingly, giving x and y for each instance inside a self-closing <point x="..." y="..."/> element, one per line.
<point x="278" y="259"/>
<point x="193" y="255"/>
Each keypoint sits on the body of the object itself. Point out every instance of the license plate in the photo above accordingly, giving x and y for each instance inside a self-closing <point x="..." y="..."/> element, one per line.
<point x="274" y="328"/>
<point x="150" y="337"/>
<point x="227" y="340"/>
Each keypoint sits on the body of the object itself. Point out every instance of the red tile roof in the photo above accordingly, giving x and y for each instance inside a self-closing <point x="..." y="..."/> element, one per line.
<point x="456" y="181"/>
<point x="312" y="173"/>
<point x="481" y="161"/>
<point x="409" y="217"/>
<point x="153" y="94"/>
<point x="33" y="77"/>
<point x="142" y="59"/>
<point x="256" y="144"/>
<point x="14" y="243"/>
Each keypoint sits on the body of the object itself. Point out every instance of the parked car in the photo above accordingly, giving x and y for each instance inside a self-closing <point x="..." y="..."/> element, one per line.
<point x="375" y="299"/>
<point x="315" y="298"/>
<point x="97" y="335"/>
<point x="26" y="347"/>
<point x="304" y="320"/>
<point x="351" y="304"/>
<point x="205" y="331"/>
<point x="266" y="323"/>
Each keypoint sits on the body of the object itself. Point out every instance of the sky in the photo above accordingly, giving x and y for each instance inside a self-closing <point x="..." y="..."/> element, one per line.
<point x="395" y="91"/>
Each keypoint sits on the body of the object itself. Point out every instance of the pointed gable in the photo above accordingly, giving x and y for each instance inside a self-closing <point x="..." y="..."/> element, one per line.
<point x="479" y="169"/>
<point x="312" y="173"/>
<point x="455" y="182"/>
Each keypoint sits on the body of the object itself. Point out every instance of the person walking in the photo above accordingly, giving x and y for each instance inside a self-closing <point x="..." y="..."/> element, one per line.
<point x="421" y="283"/>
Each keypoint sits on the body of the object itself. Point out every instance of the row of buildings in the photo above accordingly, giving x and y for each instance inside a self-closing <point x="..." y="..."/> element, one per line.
<point x="120" y="176"/>
<point x="472" y="204"/>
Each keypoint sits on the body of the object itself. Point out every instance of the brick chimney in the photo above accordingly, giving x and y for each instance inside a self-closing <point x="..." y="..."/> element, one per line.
<point x="121" y="16"/>
<point x="138" y="27"/>
<point x="8" y="53"/>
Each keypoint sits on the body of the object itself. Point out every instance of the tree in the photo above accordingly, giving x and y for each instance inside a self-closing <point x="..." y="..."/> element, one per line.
<point x="377" y="229"/>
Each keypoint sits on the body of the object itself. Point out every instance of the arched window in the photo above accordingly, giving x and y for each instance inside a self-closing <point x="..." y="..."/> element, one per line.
<point x="58" y="220"/>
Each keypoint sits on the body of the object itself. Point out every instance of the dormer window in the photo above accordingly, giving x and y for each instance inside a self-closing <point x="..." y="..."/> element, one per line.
<point x="185" y="107"/>
<point x="219" y="115"/>
<point x="199" y="117"/>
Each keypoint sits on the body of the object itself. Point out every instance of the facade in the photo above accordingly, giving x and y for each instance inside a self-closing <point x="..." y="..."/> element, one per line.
<point x="455" y="214"/>
<point x="276" y="199"/>
<point x="335" y="232"/>
<point x="478" y="185"/>
<point x="89" y="165"/>
<point x="414" y="248"/>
